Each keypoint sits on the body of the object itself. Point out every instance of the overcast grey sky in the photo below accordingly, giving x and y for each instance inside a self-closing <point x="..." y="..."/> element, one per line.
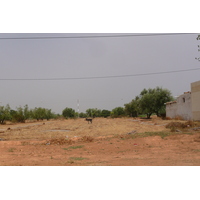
<point x="92" y="57"/>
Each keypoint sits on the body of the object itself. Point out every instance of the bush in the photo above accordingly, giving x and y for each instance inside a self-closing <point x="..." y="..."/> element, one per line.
<point x="118" y="112"/>
<point x="105" y="113"/>
<point x="176" y="125"/>
<point x="69" y="113"/>
<point x="4" y="114"/>
<point x="93" y="112"/>
<point x="42" y="113"/>
<point x="82" y="115"/>
<point x="19" y="115"/>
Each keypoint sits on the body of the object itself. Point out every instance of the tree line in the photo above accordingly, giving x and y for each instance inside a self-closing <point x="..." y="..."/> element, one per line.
<point x="24" y="113"/>
<point x="149" y="101"/>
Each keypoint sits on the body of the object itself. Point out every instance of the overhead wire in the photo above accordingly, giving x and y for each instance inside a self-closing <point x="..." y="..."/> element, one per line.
<point x="95" y="36"/>
<point x="96" y="77"/>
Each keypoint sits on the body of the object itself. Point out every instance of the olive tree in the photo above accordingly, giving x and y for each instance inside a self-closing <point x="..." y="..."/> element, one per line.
<point x="21" y="114"/>
<point x="153" y="100"/>
<point x="105" y="113"/>
<point x="118" y="112"/>
<point x="68" y="113"/>
<point x="38" y="113"/>
<point x="93" y="112"/>
<point x="4" y="113"/>
<point x="132" y="109"/>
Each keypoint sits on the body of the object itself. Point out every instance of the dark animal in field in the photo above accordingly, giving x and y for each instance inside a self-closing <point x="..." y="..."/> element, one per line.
<point x="89" y="120"/>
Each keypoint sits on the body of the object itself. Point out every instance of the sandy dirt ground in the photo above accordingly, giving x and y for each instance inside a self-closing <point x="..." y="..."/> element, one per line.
<point x="105" y="142"/>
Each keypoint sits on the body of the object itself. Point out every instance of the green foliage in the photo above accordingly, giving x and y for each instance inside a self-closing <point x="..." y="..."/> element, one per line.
<point x="132" y="109"/>
<point x="4" y="113"/>
<point x="11" y="149"/>
<point x="49" y="114"/>
<point x="21" y="114"/>
<point x="38" y="113"/>
<point x="105" y="113"/>
<point x="41" y="114"/>
<point x="18" y="115"/>
<point x="162" y="134"/>
<point x="77" y="158"/>
<point x="26" y="112"/>
<point x="152" y="101"/>
<point x="82" y="115"/>
<point x="68" y="113"/>
<point x="74" y="147"/>
<point x="147" y="103"/>
<point x="93" y="112"/>
<point x="118" y="112"/>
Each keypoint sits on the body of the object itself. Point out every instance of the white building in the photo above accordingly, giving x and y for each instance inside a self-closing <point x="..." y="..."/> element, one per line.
<point x="187" y="105"/>
<point x="181" y="108"/>
<point x="195" y="90"/>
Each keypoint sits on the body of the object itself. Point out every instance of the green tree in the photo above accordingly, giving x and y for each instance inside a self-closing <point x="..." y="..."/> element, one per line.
<point x="82" y="115"/>
<point x="118" y="112"/>
<point x="93" y="112"/>
<point x="152" y="100"/>
<point x="4" y="113"/>
<point x="105" y="113"/>
<point x="147" y="104"/>
<point x="21" y="114"/>
<point x="68" y="113"/>
<point x="26" y="112"/>
<point x="132" y="109"/>
<point x="49" y="114"/>
<point x="38" y="113"/>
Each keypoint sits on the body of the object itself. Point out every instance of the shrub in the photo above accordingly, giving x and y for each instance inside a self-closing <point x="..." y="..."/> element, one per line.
<point x="87" y="139"/>
<point x="105" y="113"/>
<point x="173" y="125"/>
<point x="68" y="113"/>
<point x="118" y="112"/>
<point x="4" y="114"/>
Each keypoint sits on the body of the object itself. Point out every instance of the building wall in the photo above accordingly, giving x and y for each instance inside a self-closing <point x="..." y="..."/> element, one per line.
<point x="195" y="89"/>
<point x="181" y="108"/>
<point x="171" y="109"/>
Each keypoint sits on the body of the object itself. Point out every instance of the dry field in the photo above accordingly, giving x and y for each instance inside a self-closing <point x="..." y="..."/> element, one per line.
<point x="105" y="142"/>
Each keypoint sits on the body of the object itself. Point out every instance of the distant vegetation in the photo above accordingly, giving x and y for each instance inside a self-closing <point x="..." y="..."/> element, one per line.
<point x="148" y="102"/>
<point x="69" y="113"/>
<point x="24" y="113"/>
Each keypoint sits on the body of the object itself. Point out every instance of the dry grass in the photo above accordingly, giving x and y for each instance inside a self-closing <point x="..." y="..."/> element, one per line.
<point x="86" y="139"/>
<point x="62" y="131"/>
<point x="182" y="125"/>
<point x="11" y="149"/>
<point x="176" y="125"/>
<point x="59" y="141"/>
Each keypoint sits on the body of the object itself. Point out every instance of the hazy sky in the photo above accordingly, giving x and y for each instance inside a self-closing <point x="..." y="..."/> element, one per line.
<point x="92" y="57"/>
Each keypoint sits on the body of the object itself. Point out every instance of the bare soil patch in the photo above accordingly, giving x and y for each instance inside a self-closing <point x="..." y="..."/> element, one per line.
<point x="105" y="142"/>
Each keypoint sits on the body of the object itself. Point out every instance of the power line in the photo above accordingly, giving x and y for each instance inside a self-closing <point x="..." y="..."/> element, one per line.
<point x="95" y="36"/>
<point x="97" y="77"/>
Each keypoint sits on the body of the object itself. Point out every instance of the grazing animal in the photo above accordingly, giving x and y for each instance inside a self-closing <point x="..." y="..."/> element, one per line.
<point x="89" y="120"/>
